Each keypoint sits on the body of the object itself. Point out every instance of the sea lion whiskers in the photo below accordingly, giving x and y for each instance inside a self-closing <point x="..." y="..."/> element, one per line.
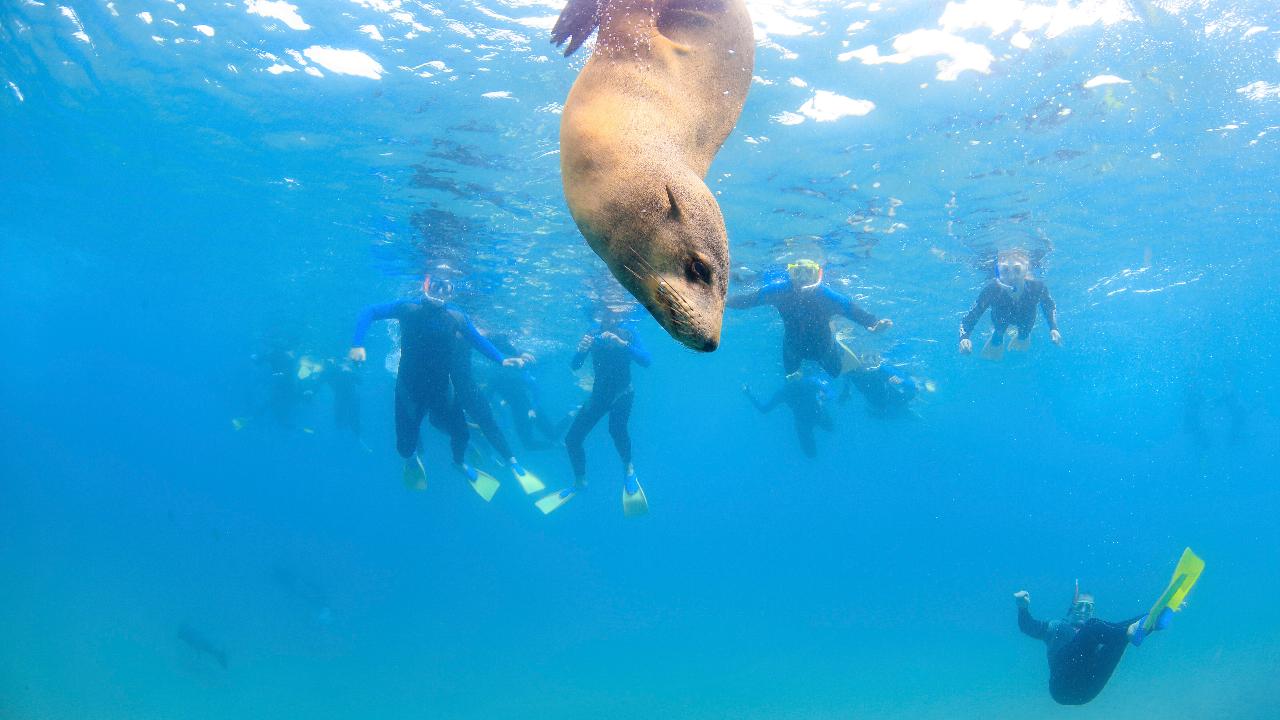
<point x="679" y="310"/>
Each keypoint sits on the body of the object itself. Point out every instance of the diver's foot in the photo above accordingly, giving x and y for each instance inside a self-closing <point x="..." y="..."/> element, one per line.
<point x="634" y="501"/>
<point x="1138" y="632"/>
<point x="415" y="476"/>
<point x="580" y="483"/>
<point x="529" y="482"/>
<point x="482" y="482"/>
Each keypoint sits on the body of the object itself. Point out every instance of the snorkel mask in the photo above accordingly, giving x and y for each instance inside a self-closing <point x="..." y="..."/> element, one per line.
<point x="1012" y="269"/>
<point x="1081" y="607"/>
<point x="437" y="289"/>
<point x="805" y="274"/>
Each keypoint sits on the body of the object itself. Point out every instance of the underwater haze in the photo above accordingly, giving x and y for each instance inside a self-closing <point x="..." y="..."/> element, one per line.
<point x="190" y="188"/>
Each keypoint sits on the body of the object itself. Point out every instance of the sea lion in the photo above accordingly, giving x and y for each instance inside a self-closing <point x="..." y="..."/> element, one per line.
<point x="640" y="128"/>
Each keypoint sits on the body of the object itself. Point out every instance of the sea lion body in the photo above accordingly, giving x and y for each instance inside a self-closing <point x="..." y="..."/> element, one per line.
<point x="643" y="121"/>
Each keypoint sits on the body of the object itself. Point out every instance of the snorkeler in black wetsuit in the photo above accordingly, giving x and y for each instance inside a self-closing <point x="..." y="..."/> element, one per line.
<point x="1083" y="651"/>
<point x="423" y="388"/>
<point x="806" y="307"/>
<point x="886" y="390"/>
<point x="518" y="390"/>
<point x="807" y="397"/>
<point x="1012" y="295"/>
<point x="344" y="381"/>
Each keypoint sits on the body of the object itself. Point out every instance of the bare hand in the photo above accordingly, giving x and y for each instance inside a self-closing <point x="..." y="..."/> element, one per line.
<point x="356" y="354"/>
<point x="613" y="338"/>
<point x="881" y="325"/>
<point x="1056" y="337"/>
<point x="515" y="362"/>
<point x="1024" y="598"/>
<point x="966" y="346"/>
<point x="586" y="342"/>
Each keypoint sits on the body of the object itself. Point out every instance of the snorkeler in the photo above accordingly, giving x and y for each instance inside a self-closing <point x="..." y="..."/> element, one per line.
<point x="476" y="407"/>
<point x="807" y="396"/>
<point x="517" y="389"/>
<point x="806" y="307"/>
<point x="427" y="329"/>
<point x="1083" y="651"/>
<point x="887" y="390"/>
<point x="1012" y="296"/>
<point x="613" y="346"/>
<point x="341" y="377"/>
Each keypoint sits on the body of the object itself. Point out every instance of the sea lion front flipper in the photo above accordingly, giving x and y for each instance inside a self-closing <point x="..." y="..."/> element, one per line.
<point x="577" y="21"/>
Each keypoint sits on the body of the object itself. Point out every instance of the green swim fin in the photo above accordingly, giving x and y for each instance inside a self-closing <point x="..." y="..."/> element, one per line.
<point x="634" y="502"/>
<point x="994" y="349"/>
<point x="552" y="501"/>
<point x="849" y="360"/>
<point x="528" y="481"/>
<point x="1184" y="578"/>
<point x="482" y="482"/>
<point x="415" y="476"/>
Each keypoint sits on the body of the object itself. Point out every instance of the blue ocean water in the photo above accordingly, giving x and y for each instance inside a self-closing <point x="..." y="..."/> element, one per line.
<point x="189" y="186"/>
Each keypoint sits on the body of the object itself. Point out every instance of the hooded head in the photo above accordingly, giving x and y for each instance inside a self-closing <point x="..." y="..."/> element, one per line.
<point x="1013" y="267"/>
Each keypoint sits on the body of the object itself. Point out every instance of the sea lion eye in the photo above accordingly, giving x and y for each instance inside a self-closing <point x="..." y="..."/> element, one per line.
<point x="699" y="271"/>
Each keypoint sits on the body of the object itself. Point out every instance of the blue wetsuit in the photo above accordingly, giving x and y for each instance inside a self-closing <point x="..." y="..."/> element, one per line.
<point x="427" y="347"/>
<point x="1081" y="659"/>
<point x="806" y="321"/>
<point x="807" y="397"/>
<point x="1006" y="310"/>
<point x="611" y="394"/>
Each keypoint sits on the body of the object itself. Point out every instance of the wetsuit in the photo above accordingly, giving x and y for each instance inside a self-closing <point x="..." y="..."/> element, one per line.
<point x="1007" y="310"/>
<point x="1081" y="659"/>
<point x="472" y="401"/>
<point x="427" y="347"/>
<point x="806" y="321"/>
<point x="878" y="386"/>
<point x="807" y="397"/>
<point x="518" y="390"/>
<point x="611" y="395"/>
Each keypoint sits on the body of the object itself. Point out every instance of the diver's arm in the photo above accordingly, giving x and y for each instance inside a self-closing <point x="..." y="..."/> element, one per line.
<point x="584" y="349"/>
<point x="1050" y="309"/>
<point x="850" y="309"/>
<point x="979" y="307"/>
<point x="379" y="311"/>
<point x="473" y="336"/>
<point x="1038" y="629"/>
<point x="765" y="294"/>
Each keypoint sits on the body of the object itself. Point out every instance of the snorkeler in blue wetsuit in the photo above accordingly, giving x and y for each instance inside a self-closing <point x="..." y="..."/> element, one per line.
<point x="612" y="348"/>
<point x="807" y="396"/>
<point x="806" y="307"/>
<point x="517" y="389"/>
<point x="1012" y="296"/>
<point x="423" y="388"/>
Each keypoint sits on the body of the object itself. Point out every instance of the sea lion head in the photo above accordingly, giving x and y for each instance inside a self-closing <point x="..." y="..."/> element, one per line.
<point x="673" y="256"/>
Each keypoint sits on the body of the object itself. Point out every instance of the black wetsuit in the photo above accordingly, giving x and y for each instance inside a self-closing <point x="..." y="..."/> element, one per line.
<point x="807" y="398"/>
<point x="1081" y="659"/>
<point x="427" y="346"/>
<point x="473" y="402"/>
<point x="885" y="390"/>
<point x="1006" y="310"/>
<point x="518" y="390"/>
<point x="806" y="321"/>
<point x="344" y="381"/>
<point x="611" y="395"/>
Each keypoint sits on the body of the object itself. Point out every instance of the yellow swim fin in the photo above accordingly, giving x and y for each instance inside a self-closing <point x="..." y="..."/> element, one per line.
<point x="849" y="360"/>
<point x="415" y="476"/>
<point x="528" y="481"/>
<point x="1184" y="578"/>
<point x="482" y="482"/>
<point x="634" y="502"/>
<point x="239" y="423"/>
<point x="551" y="502"/>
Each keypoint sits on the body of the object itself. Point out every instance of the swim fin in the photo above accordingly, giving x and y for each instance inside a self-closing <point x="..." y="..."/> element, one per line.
<point x="994" y="349"/>
<point x="528" y="481"/>
<point x="551" y="502"/>
<point x="1018" y="343"/>
<point x="849" y="360"/>
<point x="239" y="423"/>
<point x="482" y="482"/>
<point x="415" y="476"/>
<point x="634" y="502"/>
<point x="1184" y="578"/>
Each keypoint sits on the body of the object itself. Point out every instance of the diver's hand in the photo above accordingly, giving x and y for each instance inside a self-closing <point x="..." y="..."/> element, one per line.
<point x="528" y="358"/>
<point x="586" y="342"/>
<point x="1056" y="337"/>
<point x="1024" y="599"/>
<point x="613" y="339"/>
<point x="966" y="346"/>
<point x="881" y="325"/>
<point x="515" y="362"/>
<point x="356" y="354"/>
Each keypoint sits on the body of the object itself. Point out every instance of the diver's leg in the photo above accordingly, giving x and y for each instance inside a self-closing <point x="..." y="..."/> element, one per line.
<point x="619" y="417"/>
<point x="792" y="355"/>
<point x="804" y="432"/>
<point x="446" y="416"/>
<point x="480" y="411"/>
<point x="1089" y="660"/>
<point x="588" y="415"/>
<point x="833" y="360"/>
<point x="409" y="412"/>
